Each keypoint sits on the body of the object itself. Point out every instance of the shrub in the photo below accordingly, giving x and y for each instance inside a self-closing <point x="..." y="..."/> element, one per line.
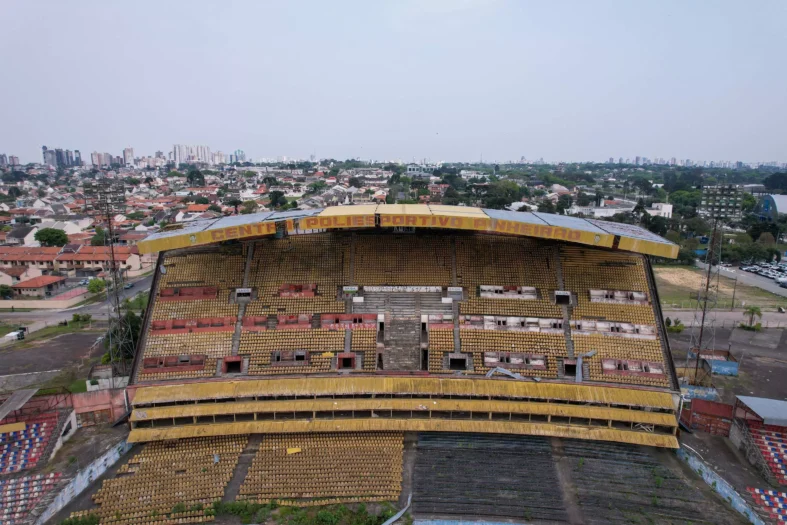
<point x="668" y="322"/>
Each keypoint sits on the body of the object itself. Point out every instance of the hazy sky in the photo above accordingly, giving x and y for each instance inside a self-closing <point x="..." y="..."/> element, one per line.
<point x="443" y="80"/>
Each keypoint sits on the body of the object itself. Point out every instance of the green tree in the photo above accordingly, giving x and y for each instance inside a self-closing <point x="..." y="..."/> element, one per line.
<point x="99" y="238"/>
<point x="14" y="192"/>
<point x="269" y="181"/>
<point x="195" y="178"/>
<point x="546" y="206"/>
<point x="51" y="237"/>
<point x="96" y="285"/>
<point x="564" y="202"/>
<point x="201" y="200"/>
<point x="277" y="199"/>
<point x="249" y="207"/>
<point x="135" y="215"/>
<point x="214" y="207"/>
<point x="748" y="203"/>
<point x="317" y="186"/>
<point x="355" y="182"/>
<point x="235" y="203"/>
<point x="6" y="292"/>
<point x="127" y="333"/>
<point x="672" y="236"/>
<point x="501" y="194"/>
<point x="765" y="238"/>
<point x="697" y="226"/>
<point x="751" y="312"/>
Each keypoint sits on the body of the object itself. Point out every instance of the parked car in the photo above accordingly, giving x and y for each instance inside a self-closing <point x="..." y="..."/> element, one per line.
<point x="128" y="285"/>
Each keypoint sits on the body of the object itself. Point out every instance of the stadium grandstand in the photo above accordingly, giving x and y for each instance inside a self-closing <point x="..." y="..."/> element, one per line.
<point x="290" y="356"/>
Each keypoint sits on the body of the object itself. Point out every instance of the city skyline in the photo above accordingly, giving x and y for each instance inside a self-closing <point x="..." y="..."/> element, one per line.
<point x="443" y="79"/>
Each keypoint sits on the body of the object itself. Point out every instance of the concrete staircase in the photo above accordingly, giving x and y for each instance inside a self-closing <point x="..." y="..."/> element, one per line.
<point x="242" y="468"/>
<point x="402" y="344"/>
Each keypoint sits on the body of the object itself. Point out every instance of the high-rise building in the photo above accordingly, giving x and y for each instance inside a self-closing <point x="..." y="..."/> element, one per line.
<point x="721" y="201"/>
<point x="128" y="156"/>
<point x="69" y="158"/>
<point x="160" y="155"/>
<point x="637" y="160"/>
<point x="240" y="155"/>
<point x="50" y="157"/>
<point x="77" y="158"/>
<point x="3" y="159"/>
<point x="95" y="159"/>
<point x="14" y="161"/>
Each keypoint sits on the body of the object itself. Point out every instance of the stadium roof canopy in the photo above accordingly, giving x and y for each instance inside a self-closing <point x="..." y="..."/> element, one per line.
<point x="589" y="232"/>
<point x="772" y="411"/>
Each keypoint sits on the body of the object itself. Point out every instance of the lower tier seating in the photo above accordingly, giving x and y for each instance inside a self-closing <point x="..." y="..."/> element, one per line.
<point x="773" y="447"/>
<point x="169" y="482"/>
<point x="304" y="469"/>
<point x="477" y="342"/>
<point x="366" y="341"/>
<point x="299" y="351"/>
<point x="23" y="449"/>
<point x="18" y="496"/>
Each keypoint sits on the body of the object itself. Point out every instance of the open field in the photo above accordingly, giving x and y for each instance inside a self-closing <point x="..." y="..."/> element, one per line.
<point x="678" y="288"/>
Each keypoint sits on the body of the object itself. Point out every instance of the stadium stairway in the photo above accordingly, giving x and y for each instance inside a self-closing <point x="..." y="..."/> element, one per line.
<point x="402" y="345"/>
<point x="242" y="469"/>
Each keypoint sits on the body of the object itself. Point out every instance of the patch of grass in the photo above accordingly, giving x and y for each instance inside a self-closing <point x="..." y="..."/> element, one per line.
<point x="77" y="386"/>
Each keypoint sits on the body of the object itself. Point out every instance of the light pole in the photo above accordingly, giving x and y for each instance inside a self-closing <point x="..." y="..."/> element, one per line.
<point x="734" y="287"/>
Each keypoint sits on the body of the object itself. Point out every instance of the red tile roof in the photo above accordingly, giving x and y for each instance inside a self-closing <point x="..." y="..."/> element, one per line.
<point x="14" y="271"/>
<point x="197" y="208"/>
<point x="39" y="282"/>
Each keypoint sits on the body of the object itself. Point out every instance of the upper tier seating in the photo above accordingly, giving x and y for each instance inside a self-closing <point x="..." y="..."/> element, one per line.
<point x="403" y="260"/>
<point x="321" y="259"/>
<point x="304" y="469"/>
<point x="165" y="476"/>
<point x="586" y="269"/>
<point x="221" y="269"/>
<point x="502" y="261"/>
<point x="23" y="449"/>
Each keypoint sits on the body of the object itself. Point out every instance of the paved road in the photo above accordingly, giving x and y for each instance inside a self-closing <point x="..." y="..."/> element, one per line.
<point x="99" y="310"/>
<point x="751" y="279"/>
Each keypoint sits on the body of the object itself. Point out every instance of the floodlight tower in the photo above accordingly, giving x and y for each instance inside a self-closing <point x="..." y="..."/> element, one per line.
<point x="104" y="199"/>
<point x="719" y="203"/>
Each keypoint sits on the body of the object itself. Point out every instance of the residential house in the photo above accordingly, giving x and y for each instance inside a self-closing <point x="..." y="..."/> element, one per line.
<point x="41" y="286"/>
<point x="89" y="261"/>
<point x="22" y="235"/>
<point x="17" y="274"/>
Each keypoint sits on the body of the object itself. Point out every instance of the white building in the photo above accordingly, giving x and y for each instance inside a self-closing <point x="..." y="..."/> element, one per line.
<point x="128" y="156"/>
<point x="660" y="209"/>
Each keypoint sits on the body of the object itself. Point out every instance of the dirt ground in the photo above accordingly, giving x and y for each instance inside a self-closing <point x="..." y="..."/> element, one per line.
<point x="680" y="285"/>
<point x="50" y="354"/>
<point x="762" y="361"/>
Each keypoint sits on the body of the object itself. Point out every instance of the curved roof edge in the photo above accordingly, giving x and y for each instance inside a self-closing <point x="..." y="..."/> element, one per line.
<point x="589" y="232"/>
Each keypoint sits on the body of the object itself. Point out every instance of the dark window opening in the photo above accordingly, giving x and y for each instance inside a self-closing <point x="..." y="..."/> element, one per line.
<point x="233" y="367"/>
<point x="347" y="362"/>
<point x="570" y="369"/>
<point x="563" y="299"/>
<point x="457" y="363"/>
<point x="424" y="359"/>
